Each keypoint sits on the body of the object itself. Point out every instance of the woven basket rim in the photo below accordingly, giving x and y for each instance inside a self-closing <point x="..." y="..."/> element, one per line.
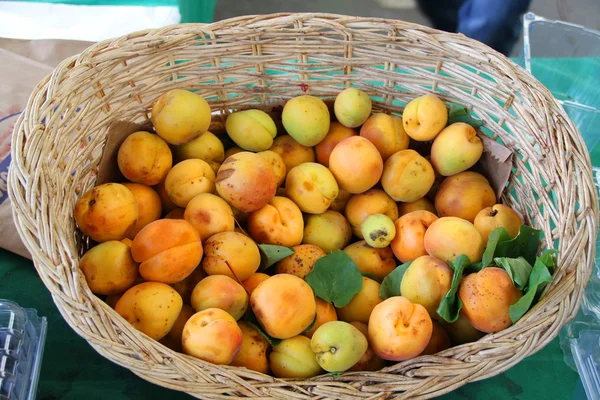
<point x="413" y="377"/>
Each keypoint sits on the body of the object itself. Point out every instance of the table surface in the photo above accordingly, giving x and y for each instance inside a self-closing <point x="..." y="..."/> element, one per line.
<point x="71" y="369"/>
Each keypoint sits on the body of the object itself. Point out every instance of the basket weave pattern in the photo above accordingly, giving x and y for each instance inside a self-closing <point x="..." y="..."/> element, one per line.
<point x="246" y="61"/>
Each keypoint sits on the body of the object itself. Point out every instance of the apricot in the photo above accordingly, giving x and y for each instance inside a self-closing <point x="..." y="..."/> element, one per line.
<point x="426" y="282"/>
<point x="449" y="237"/>
<point x="144" y="158"/>
<point x="276" y="163"/>
<point x="148" y="204"/>
<point x="293" y="358"/>
<point x="109" y="268"/>
<point x="487" y="296"/>
<point x="386" y="133"/>
<point x="330" y="231"/>
<point x="173" y="339"/>
<point x="284" y="305"/>
<point x="377" y="262"/>
<point x="186" y="286"/>
<point x="497" y="216"/>
<point x="424" y="117"/>
<point x="246" y="181"/>
<point x="189" y="178"/>
<point x="339" y="203"/>
<point x="312" y="187"/>
<point x="306" y="119"/>
<point x="253" y="281"/>
<point x="338" y="346"/>
<point x="373" y="201"/>
<point x="337" y="133"/>
<point x="280" y="222"/>
<point x="362" y="304"/>
<point x="461" y="331"/>
<point x="352" y="107"/>
<point x="440" y="340"/>
<point x="151" y="308"/>
<point x="325" y="313"/>
<point x="420" y="204"/>
<point x="180" y="116"/>
<point x="209" y="214"/>
<point x="206" y="147"/>
<point x="356" y="164"/>
<point x="369" y="361"/>
<point x="378" y="230"/>
<point x="300" y="263"/>
<point x="399" y="329"/>
<point x="176" y="213"/>
<point x="463" y="195"/>
<point x="253" y="353"/>
<point x="252" y="130"/>
<point x="168" y="250"/>
<point x="408" y="244"/>
<point x="212" y="335"/>
<point x="231" y="151"/>
<point x="407" y="176"/>
<point x="291" y="152"/>
<point x="126" y="241"/>
<point x="106" y="212"/>
<point x="165" y="200"/>
<point x="232" y="254"/>
<point x="220" y="291"/>
<point x="457" y="148"/>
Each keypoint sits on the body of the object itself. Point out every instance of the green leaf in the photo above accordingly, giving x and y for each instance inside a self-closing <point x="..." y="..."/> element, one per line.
<point x="546" y="257"/>
<point x="517" y="268"/>
<point x="250" y="318"/>
<point x="539" y="278"/>
<point x="391" y="284"/>
<point x="335" y="278"/>
<point x="525" y="245"/>
<point x="461" y="114"/>
<point x="498" y="235"/>
<point x="270" y="254"/>
<point x="450" y="305"/>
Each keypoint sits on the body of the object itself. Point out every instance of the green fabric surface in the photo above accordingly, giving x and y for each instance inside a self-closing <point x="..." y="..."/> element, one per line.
<point x="72" y="370"/>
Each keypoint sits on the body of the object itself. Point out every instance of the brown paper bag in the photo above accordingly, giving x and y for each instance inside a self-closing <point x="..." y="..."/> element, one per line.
<point x="24" y="64"/>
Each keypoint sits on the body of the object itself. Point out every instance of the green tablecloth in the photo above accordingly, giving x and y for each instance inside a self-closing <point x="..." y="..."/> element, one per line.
<point x="72" y="370"/>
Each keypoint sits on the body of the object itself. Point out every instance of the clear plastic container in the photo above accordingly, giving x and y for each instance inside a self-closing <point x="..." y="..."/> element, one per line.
<point x="22" y="338"/>
<point x="566" y="59"/>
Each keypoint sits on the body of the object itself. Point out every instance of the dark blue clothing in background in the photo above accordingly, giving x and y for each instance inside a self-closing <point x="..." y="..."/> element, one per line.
<point x="496" y="23"/>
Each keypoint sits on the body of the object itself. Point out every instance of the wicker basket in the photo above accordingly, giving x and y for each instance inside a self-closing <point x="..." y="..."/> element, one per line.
<point x="252" y="60"/>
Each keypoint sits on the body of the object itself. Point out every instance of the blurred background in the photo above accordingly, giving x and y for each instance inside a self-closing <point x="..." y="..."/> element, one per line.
<point x="494" y="22"/>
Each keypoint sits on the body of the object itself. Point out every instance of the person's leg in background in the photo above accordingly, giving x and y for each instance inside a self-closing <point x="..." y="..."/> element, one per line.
<point x="496" y="23"/>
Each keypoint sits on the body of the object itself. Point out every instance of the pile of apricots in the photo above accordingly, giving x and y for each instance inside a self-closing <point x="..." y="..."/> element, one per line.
<point x="209" y="243"/>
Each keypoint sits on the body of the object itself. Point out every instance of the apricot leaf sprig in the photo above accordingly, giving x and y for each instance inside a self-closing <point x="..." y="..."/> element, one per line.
<point x="335" y="278"/>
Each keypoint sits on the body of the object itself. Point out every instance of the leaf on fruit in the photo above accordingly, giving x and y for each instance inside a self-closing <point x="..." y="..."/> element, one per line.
<point x="538" y="279"/>
<point x="498" y="235"/>
<point x="517" y="268"/>
<point x="335" y="278"/>
<point x="391" y="284"/>
<point x="459" y="113"/>
<point x="251" y="319"/>
<point x="525" y="245"/>
<point x="270" y="254"/>
<point x="451" y="304"/>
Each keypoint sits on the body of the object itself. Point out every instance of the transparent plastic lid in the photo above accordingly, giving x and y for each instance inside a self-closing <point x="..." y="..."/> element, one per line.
<point x="22" y="337"/>
<point x="566" y="59"/>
